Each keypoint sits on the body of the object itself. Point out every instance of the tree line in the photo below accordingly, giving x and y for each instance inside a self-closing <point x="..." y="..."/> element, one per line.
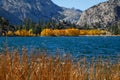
<point x="71" y="32"/>
<point x="30" y="28"/>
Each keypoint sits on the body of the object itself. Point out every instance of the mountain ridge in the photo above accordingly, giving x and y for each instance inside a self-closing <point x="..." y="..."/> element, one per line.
<point x="38" y="10"/>
<point x="101" y="15"/>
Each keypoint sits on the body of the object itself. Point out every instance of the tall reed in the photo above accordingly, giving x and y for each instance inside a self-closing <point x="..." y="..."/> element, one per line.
<point x="14" y="66"/>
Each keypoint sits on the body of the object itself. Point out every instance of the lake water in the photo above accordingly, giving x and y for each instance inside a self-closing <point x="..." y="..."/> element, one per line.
<point x="76" y="46"/>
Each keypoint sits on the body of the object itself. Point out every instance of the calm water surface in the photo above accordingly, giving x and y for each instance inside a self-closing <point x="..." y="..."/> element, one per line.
<point x="76" y="46"/>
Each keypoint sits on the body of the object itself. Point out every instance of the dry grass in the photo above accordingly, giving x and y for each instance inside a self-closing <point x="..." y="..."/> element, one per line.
<point x="42" y="67"/>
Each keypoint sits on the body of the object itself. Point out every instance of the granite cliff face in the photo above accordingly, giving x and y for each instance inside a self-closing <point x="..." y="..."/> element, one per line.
<point x="36" y="10"/>
<point x="71" y="15"/>
<point x="102" y="15"/>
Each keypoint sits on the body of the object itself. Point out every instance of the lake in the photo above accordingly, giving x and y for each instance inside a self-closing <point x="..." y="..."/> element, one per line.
<point x="106" y="46"/>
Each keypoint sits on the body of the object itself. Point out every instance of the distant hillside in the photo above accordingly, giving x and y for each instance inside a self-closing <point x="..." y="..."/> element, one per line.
<point x="19" y="10"/>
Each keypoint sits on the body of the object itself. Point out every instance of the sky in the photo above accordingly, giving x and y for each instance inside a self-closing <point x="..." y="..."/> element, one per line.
<point x="77" y="4"/>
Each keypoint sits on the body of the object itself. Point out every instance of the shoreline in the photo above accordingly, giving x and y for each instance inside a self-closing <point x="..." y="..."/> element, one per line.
<point x="64" y="36"/>
<point x="99" y="35"/>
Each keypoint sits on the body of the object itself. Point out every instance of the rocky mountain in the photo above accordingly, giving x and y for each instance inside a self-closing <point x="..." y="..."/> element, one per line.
<point x="71" y="15"/>
<point x="19" y="10"/>
<point x="102" y="15"/>
<point x="10" y="17"/>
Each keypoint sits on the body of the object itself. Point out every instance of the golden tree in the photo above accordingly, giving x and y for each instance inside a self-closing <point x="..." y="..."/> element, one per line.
<point x="47" y="32"/>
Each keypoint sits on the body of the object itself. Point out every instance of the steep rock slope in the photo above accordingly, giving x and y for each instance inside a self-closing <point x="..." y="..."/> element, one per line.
<point x="13" y="19"/>
<point x="71" y="15"/>
<point x="36" y="10"/>
<point x="101" y="15"/>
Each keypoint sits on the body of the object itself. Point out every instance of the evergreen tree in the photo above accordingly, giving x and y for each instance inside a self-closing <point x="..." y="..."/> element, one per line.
<point x="115" y="29"/>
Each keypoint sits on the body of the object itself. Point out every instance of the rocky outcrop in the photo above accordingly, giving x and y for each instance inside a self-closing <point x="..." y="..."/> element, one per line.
<point x="71" y="15"/>
<point x="101" y="15"/>
<point x="36" y="10"/>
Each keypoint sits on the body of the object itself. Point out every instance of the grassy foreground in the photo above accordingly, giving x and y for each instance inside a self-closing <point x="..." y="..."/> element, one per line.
<point x="14" y="66"/>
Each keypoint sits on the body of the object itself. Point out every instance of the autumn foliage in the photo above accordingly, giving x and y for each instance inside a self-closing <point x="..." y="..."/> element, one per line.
<point x="56" y="32"/>
<point x="22" y="32"/>
<point x="47" y="32"/>
<point x="71" y="32"/>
